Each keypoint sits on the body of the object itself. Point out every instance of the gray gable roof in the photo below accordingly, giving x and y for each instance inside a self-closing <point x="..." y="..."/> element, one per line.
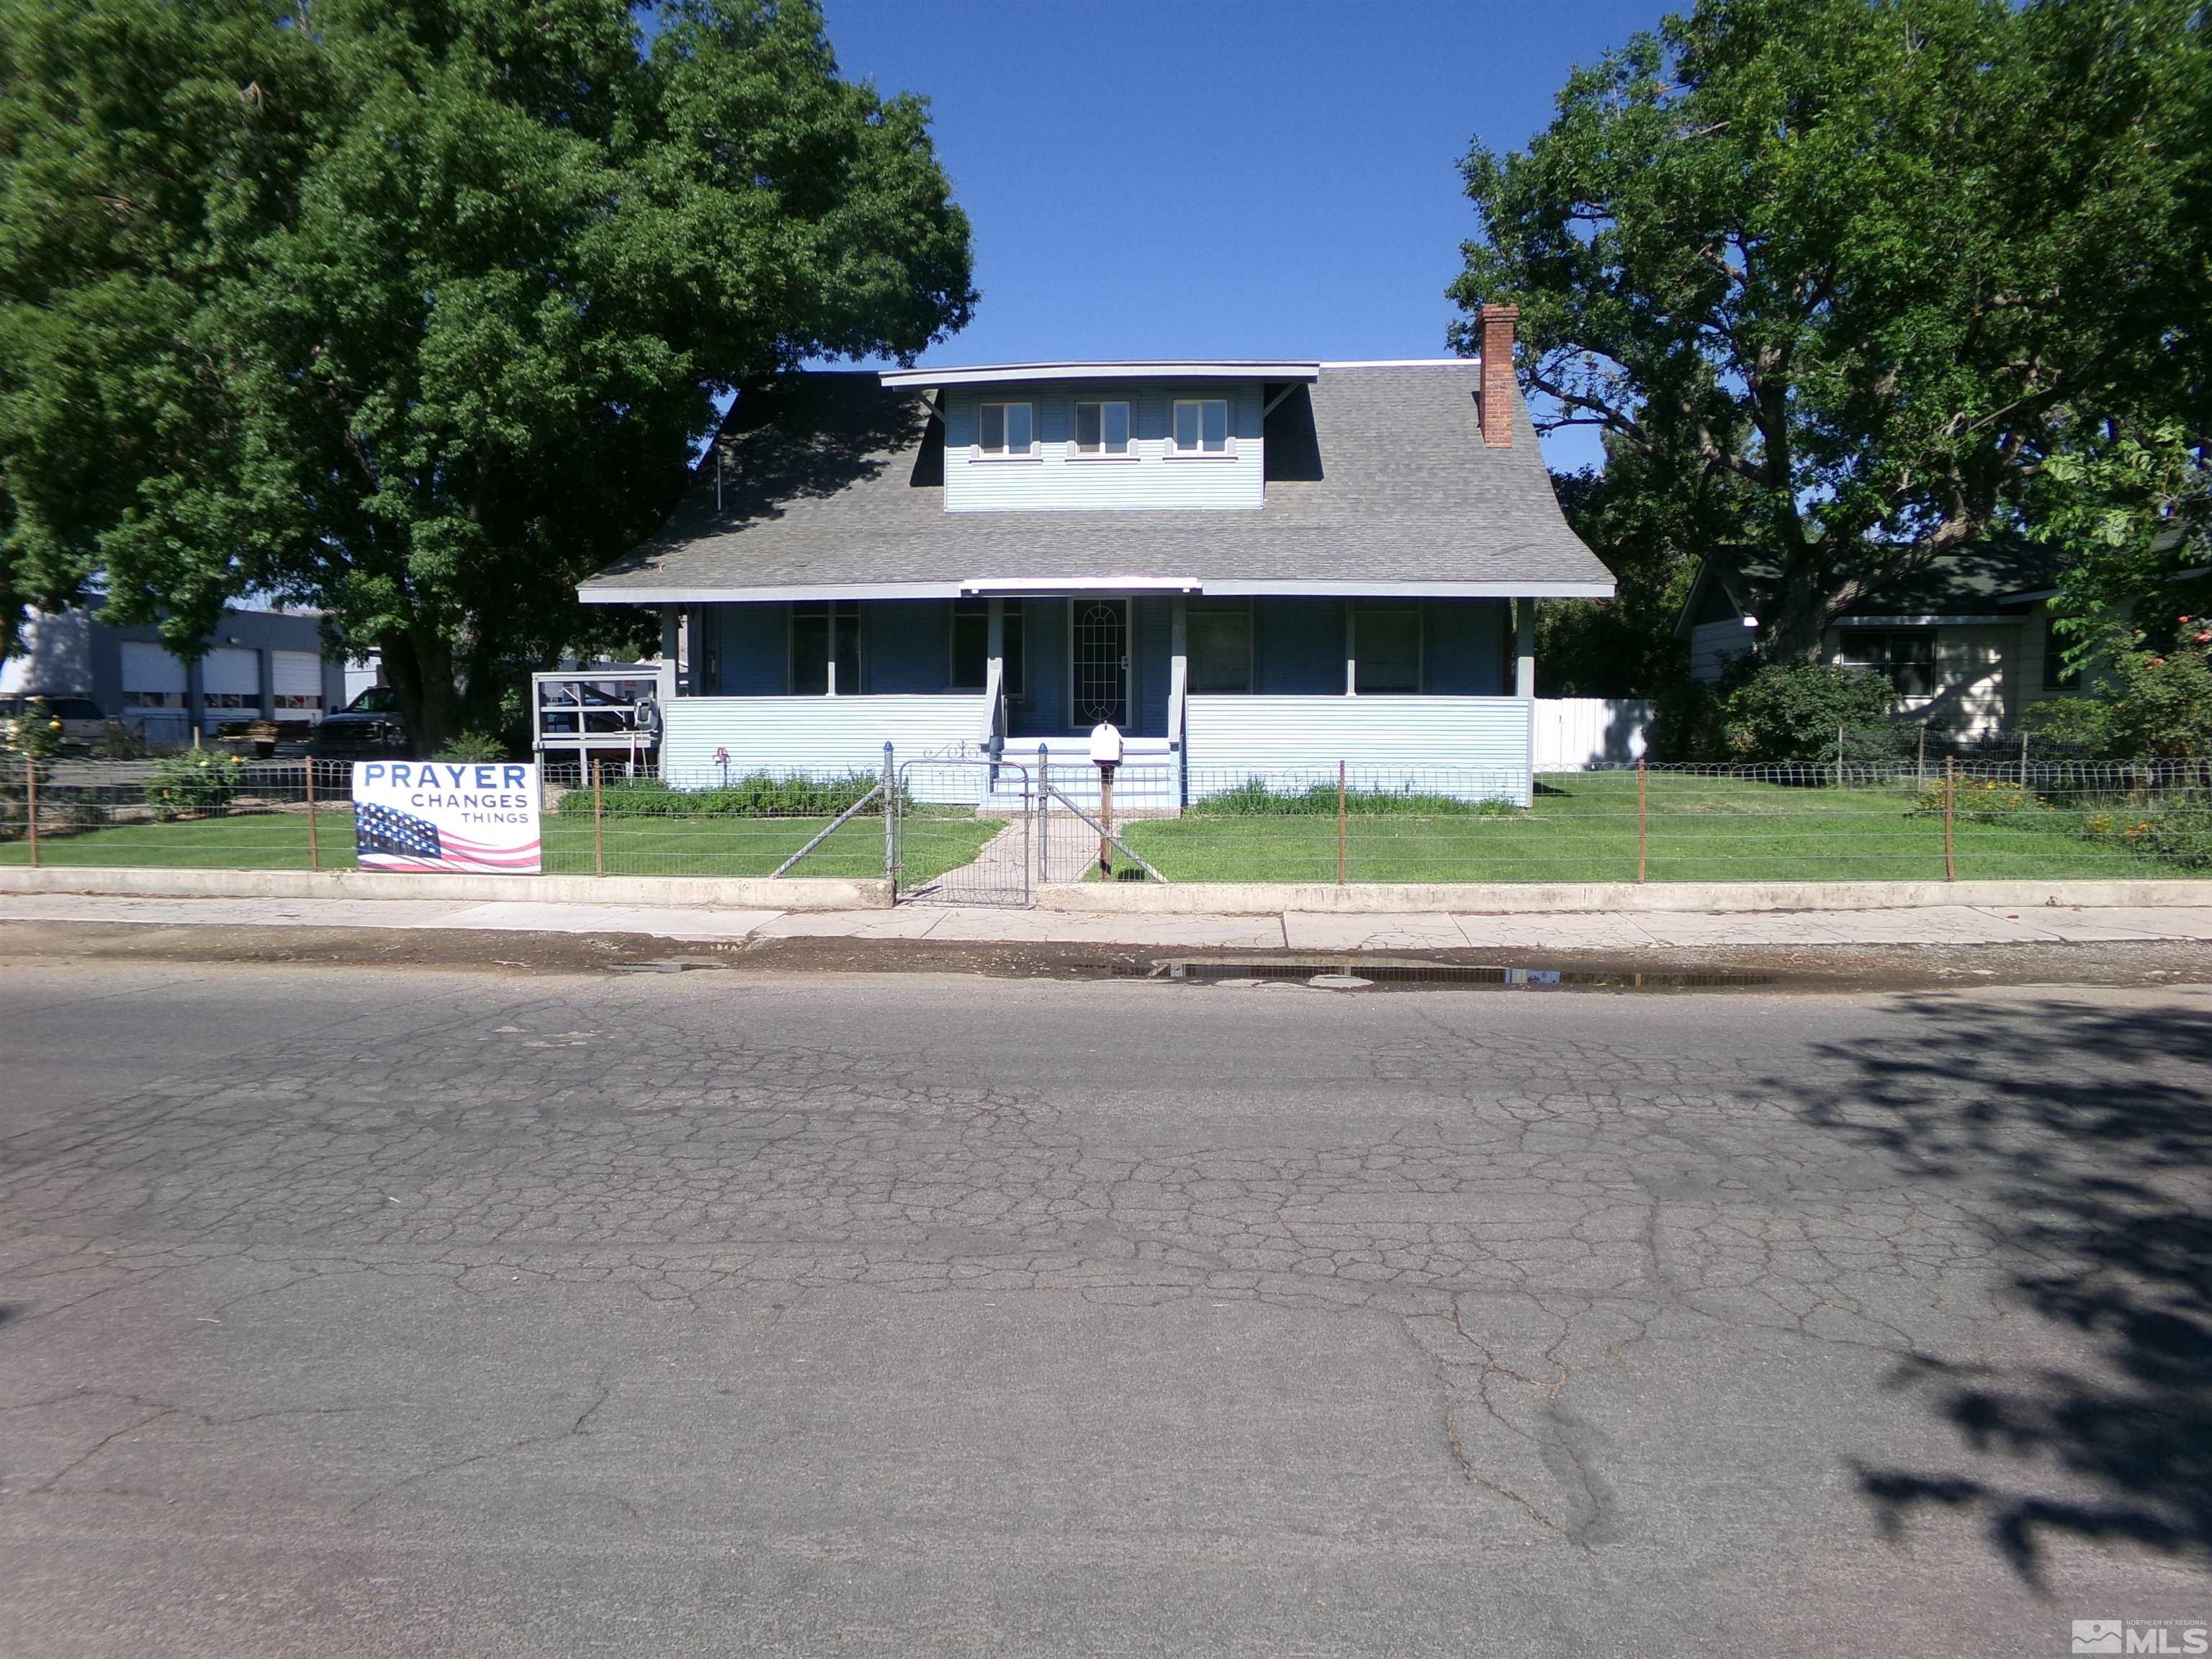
<point x="1377" y="475"/>
<point x="1989" y="577"/>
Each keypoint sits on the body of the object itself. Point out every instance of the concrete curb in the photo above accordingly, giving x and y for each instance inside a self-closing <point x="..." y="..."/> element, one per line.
<point x="694" y="892"/>
<point x="1261" y="898"/>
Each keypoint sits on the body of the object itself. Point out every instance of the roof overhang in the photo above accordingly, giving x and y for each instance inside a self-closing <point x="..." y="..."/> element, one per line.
<point x="1166" y="368"/>
<point x="1042" y="586"/>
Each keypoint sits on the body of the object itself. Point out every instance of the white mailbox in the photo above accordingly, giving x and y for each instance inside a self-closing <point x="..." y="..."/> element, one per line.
<point x="1105" y="745"/>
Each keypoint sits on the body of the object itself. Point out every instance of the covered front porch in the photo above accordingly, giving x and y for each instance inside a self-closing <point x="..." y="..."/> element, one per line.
<point x="1201" y="685"/>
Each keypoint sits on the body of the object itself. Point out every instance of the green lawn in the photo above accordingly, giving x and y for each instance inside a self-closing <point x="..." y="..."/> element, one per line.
<point x="634" y="847"/>
<point x="1582" y="828"/>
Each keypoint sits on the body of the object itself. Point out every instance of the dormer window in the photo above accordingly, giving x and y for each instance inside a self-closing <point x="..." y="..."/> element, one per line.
<point x="1006" y="430"/>
<point x="1102" y="429"/>
<point x="1201" y="426"/>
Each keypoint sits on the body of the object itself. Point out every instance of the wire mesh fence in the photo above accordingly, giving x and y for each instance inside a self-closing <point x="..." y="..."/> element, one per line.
<point x="209" y="811"/>
<point x="1982" y="820"/>
<point x="1960" y="820"/>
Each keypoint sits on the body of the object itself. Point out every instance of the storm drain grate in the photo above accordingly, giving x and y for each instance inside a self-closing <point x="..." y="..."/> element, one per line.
<point x="1214" y="971"/>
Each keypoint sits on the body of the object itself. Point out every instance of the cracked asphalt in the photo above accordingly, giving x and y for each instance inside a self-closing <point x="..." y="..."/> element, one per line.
<point x="358" y="1310"/>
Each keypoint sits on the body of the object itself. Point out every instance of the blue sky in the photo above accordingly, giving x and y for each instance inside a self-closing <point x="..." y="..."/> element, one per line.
<point x="1240" y="177"/>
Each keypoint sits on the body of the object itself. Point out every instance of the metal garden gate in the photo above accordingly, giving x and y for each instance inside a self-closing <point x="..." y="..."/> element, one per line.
<point x="960" y="833"/>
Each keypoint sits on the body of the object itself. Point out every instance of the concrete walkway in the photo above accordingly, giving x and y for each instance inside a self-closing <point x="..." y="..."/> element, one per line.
<point x="1294" y="930"/>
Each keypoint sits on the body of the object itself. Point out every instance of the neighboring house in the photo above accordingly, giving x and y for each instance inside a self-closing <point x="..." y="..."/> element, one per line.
<point x="1247" y="567"/>
<point x="259" y="665"/>
<point x="1966" y="640"/>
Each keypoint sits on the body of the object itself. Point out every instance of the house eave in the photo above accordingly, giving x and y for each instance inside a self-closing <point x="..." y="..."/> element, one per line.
<point x="1166" y="368"/>
<point x="1234" y="587"/>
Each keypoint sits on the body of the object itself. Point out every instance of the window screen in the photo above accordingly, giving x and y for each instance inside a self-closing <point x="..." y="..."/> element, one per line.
<point x="971" y="645"/>
<point x="1386" y="645"/>
<point x="814" y="629"/>
<point x="1220" y="647"/>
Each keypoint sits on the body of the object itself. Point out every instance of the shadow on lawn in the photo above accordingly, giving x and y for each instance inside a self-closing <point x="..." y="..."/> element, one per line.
<point x="2081" y="1135"/>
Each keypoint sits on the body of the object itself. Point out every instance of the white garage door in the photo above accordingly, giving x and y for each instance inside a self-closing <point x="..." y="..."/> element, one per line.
<point x="152" y="679"/>
<point x="298" y="677"/>
<point x="230" y="681"/>
<point x="154" y="692"/>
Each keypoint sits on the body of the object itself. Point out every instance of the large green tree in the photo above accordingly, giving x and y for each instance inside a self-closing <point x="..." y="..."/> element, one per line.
<point x="1874" y="261"/>
<point x="416" y="310"/>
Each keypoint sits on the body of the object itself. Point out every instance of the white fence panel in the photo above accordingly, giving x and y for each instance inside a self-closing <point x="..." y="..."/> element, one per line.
<point x="813" y="736"/>
<point x="1486" y="739"/>
<point x="1577" y="731"/>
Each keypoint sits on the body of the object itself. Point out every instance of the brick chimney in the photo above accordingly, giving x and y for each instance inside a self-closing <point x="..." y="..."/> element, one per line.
<point x="1494" y="402"/>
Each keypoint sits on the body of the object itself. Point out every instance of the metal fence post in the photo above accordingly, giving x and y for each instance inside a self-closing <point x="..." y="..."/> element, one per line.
<point x="2023" y="763"/>
<point x="314" y="842"/>
<point x="31" y="804"/>
<point x="890" y="823"/>
<point x="1340" y="824"/>
<point x="1920" y="761"/>
<point x="1044" y="811"/>
<point x="599" y="827"/>
<point x="1840" y="756"/>
<point x="1642" y="821"/>
<point x="1950" y="793"/>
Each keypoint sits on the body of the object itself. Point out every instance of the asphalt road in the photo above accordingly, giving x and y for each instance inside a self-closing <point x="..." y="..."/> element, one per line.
<point x="354" y="1311"/>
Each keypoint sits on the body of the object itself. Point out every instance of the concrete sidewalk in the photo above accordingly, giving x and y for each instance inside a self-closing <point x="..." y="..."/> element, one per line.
<point x="1948" y="925"/>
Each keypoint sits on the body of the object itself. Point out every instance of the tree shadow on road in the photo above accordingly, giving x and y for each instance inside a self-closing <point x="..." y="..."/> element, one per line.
<point x="2082" y="1136"/>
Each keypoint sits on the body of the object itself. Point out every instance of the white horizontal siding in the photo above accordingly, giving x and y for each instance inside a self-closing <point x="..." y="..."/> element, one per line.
<point x="1475" y="747"/>
<point x="1060" y="481"/>
<point x="1578" y="731"/>
<point x="1713" y="644"/>
<point x="814" y="736"/>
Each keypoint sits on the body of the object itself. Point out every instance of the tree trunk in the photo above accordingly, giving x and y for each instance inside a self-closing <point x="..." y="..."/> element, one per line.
<point x="420" y="665"/>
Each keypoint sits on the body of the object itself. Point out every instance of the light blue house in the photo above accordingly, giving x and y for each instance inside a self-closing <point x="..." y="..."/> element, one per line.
<point x="1250" y="568"/>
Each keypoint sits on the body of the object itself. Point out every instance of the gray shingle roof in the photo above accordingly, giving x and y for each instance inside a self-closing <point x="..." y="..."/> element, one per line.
<point x="1375" y="475"/>
<point x="1972" y="580"/>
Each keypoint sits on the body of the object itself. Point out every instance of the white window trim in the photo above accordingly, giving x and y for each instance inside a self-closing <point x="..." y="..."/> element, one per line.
<point x="1175" y="453"/>
<point x="1076" y="452"/>
<point x="1000" y="457"/>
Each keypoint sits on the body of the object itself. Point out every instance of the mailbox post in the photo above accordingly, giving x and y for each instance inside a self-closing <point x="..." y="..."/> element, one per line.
<point x="1105" y="754"/>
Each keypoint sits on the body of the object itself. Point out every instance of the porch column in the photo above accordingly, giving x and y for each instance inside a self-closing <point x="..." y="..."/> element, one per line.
<point x="671" y="640"/>
<point x="1350" y="651"/>
<point x="1524" y="647"/>
<point x="995" y="646"/>
<point x="1178" y="663"/>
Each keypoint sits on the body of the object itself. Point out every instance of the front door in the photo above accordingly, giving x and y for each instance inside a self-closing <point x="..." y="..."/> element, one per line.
<point x="1098" y="660"/>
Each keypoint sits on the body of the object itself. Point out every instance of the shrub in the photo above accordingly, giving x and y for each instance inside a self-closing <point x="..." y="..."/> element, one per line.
<point x="2181" y="836"/>
<point x="119" y="742"/>
<point x="1977" y="800"/>
<point x="759" y="796"/>
<point x="35" y="733"/>
<point x="472" y="748"/>
<point x="2078" y="723"/>
<point x="1254" y="798"/>
<point x="1793" y="712"/>
<point x="197" y="780"/>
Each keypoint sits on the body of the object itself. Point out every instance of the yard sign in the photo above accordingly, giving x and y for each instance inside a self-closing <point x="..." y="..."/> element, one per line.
<point x="441" y="816"/>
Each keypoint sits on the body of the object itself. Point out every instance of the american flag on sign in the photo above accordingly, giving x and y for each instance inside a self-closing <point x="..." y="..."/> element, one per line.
<point x="380" y="830"/>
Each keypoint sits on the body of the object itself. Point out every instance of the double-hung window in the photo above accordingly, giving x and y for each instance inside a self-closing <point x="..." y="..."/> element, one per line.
<point x="1102" y="429"/>
<point x="971" y="646"/>
<point x="1201" y="426"/>
<point x="1006" y="430"/>
<point x="1906" y="657"/>
<point x="1218" y="635"/>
